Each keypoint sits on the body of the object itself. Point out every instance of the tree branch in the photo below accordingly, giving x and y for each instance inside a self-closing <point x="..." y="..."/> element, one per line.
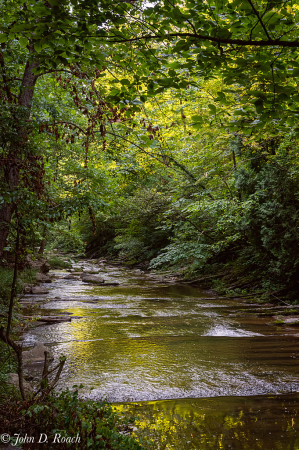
<point x="155" y="157"/>
<point x="260" y="20"/>
<point x="218" y="40"/>
<point x="5" y="80"/>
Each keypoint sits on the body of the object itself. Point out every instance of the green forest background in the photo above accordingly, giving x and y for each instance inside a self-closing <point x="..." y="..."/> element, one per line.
<point x="156" y="133"/>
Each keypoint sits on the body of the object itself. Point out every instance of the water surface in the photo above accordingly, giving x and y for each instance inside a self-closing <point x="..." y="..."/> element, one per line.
<point x="176" y="349"/>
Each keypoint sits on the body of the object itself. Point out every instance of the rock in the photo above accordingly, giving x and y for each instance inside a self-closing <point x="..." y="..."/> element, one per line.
<point x="84" y="274"/>
<point x="91" y="279"/>
<point x="291" y="320"/>
<point x="42" y="278"/>
<point x="114" y="283"/>
<point x="70" y="277"/>
<point x="27" y="289"/>
<point x="77" y="273"/>
<point x="45" y="267"/>
<point x="13" y="380"/>
<point x="49" y="319"/>
<point x="36" y="354"/>
<point x="54" y="319"/>
<point x="39" y="264"/>
<point x="37" y="290"/>
<point x="93" y="272"/>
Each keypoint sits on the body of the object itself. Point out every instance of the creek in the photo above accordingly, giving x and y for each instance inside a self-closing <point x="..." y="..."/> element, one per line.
<point x="198" y="371"/>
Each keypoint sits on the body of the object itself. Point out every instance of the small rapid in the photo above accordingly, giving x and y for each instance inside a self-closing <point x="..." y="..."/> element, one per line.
<point x="149" y="339"/>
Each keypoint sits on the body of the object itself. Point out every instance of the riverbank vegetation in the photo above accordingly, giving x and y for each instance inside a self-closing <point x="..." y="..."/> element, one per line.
<point x="62" y="420"/>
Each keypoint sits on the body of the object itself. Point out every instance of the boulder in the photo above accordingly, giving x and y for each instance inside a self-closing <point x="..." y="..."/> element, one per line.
<point x="45" y="267"/>
<point x="42" y="278"/>
<point x="38" y="290"/>
<point x="36" y="354"/>
<point x="77" y="273"/>
<point x="290" y="320"/>
<point x="13" y="380"/>
<point x="27" y="288"/>
<point x="91" y="279"/>
<point x="39" y="264"/>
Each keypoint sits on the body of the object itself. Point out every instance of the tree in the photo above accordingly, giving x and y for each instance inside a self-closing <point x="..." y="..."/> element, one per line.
<point x="251" y="44"/>
<point x="41" y="41"/>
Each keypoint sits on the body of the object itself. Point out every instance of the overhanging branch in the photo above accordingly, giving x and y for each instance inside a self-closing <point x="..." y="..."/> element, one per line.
<point x="218" y="40"/>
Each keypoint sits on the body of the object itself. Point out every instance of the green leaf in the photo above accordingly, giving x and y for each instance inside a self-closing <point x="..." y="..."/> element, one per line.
<point x="37" y="46"/>
<point x="23" y="41"/>
<point x="87" y="46"/>
<point x="125" y="82"/>
<point x="212" y="108"/>
<point x="196" y="118"/>
<point x="165" y="82"/>
<point x="3" y="37"/>
<point x="259" y="105"/>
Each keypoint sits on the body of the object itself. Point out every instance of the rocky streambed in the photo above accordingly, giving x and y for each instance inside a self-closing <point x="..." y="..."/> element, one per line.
<point x="201" y="371"/>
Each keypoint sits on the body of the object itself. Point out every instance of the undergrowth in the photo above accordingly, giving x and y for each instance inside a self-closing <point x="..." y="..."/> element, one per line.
<point x="63" y="418"/>
<point x="58" y="263"/>
<point x="8" y="364"/>
<point x="26" y="276"/>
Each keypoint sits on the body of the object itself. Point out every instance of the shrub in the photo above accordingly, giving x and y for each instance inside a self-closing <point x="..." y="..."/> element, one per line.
<point x="8" y="364"/>
<point x="64" y="415"/>
<point x="6" y="277"/>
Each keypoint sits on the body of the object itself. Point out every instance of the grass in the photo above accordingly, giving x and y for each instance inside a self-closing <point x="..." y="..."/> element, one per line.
<point x="58" y="263"/>
<point x="28" y="276"/>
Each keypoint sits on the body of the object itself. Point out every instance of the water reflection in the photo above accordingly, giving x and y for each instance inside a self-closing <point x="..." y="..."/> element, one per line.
<point x="227" y="423"/>
<point x="144" y="342"/>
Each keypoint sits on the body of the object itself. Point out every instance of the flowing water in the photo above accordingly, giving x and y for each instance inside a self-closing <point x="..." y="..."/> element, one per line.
<point x="198" y="375"/>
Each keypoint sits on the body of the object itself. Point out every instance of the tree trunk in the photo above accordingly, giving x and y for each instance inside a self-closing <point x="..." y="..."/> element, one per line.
<point x="12" y="161"/>
<point x="43" y="242"/>
<point x="5" y="218"/>
<point x="42" y="247"/>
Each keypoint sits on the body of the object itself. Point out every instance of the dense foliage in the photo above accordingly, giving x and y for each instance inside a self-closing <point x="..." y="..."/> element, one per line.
<point x="161" y="132"/>
<point x="66" y="422"/>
